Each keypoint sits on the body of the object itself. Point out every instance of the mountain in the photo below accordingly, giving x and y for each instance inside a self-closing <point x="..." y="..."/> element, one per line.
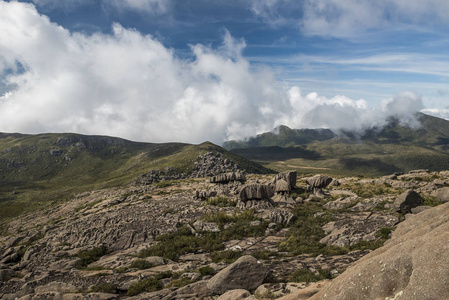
<point x="44" y="168"/>
<point x="378" y="151"/>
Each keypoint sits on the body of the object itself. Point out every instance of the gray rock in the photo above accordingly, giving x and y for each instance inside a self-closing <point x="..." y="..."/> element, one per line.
<point x="282" y="186"/>
<point x="442" y="194"/>
<point x="255" y="192"/>
<point x="287" y="176"/>
<point x="406" y="201"/>
<point x="203" y="195"/>
<point x="281" y="216"/>
<point x="239" y="294"/>
<point x="245" y="273"/>
<point x="228" y="177"/>
<point x="319" y="181"/>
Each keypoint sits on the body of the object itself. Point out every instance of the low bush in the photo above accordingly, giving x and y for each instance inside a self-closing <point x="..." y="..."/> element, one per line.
<point x="89" y="256"/>
<point x="141" y="264"/>
<point x="305" y="275"/>
<point x="151" y="284"/>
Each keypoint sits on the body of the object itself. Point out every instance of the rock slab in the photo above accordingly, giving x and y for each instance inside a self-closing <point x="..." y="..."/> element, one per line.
<point x="245" y="273"/>
<point x="412" y="265"/>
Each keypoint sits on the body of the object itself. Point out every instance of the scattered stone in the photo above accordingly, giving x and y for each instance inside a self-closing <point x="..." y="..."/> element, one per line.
<point x="239" y="294"/>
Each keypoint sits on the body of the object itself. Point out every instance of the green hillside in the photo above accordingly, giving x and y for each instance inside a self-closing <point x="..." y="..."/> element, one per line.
<point x="41" y="169"/>
<point x="379" y="151"/>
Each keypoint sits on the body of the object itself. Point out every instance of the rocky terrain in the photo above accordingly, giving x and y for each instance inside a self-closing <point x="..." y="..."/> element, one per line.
<point x="224" y="234"/>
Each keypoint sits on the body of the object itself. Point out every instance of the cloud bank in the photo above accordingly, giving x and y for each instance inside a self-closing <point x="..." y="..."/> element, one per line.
<point x="130" y="85"/>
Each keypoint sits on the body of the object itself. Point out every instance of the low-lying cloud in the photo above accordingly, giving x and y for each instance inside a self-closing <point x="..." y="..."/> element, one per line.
<point x="130" y="85"/>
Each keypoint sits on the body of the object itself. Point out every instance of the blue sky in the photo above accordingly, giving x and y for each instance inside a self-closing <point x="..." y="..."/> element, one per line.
<point x="195" y="70"/>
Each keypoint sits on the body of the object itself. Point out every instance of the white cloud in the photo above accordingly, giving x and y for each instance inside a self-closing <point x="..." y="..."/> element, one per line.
<point x="349" y="18"/>
<point x="130" y="85"/>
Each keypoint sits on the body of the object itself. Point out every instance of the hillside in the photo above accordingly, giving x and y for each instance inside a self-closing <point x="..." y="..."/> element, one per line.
<point x="41" y="169"/>
<point x="196" y="239"/>
<point x="393" y="148"/>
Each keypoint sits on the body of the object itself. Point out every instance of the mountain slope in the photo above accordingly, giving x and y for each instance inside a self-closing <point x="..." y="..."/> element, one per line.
<point x="37" y="169"/>
<point x="378" y="151"/>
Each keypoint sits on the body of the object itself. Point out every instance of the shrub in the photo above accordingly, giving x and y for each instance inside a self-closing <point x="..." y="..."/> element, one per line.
<point x="206" y="270"/>
<point x="104" y="288"/>
<point x="227" y="256"/>
<point x="141" y="264"/>
<point x="151" y="284"/>
<point x="89" y="256"/>
<point x="305" y="275"/>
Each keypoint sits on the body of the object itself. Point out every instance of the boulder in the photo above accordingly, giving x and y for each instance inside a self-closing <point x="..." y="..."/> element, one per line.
<point x="288" y="176"/>
<point x="412" y="265"/>
<point x="255" y="192"/>
<point x="238" y="294"/>
<point x="245" y="273"/>
<point x="319" y="181"/>
<point x="406" y="201"/>
<point x="203" y="195"/>
<point x="282" y="186"/>
<point x="442" y="194"/>
<point x="281" y="216"/>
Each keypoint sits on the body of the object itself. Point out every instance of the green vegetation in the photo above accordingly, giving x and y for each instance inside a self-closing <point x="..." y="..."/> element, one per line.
<point x="369" y="190"/>
<point x="220" y="202"/>
<point x="89" y="256"/>
<point x="305" y="275"/>
<point x="103" y="288"/>
<point x="184" y="241"/>
<point x="227" y="256"/>
<point x="430" y="201"/>
<point x="151" y="284"/>
<point x="141" y="264"/>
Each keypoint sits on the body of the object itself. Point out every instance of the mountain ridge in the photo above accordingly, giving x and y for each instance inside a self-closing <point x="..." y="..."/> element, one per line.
<point x="394" y="147"/>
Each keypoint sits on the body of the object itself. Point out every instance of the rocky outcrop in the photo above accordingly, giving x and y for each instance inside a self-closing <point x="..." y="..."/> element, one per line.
<point x="228" y="177"/>
<point x="353" y="228"/>
<point x="288" y="178"/>
<point x="406" y="201"/>
<point x="255" y="192"/>
<point x="245" y="273"/>
<point x="203" y="195"/>
<point x="281" y="216"/>
<point x="155" y="176"/>
<point x="211" y="164"/>
<point x="319" y="181"/>
<point x="412" y="265"/>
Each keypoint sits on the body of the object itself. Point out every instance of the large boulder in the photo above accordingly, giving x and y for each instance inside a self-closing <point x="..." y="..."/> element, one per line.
<point x="319" y="181"/>
<point x="255" y="192"/>
<point x="412" y="265"/>
<point x="288" y="176"/>
<point x="245" y="273"/>
<point x="406" y="201"/>
<point x="282" y="186"/>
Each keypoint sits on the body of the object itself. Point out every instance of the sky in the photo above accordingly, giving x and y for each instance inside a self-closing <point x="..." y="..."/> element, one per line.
<point x="197" y="70"/>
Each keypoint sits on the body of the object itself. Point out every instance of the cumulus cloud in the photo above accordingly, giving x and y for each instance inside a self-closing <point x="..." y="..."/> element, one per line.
<point x="130" y="85"/>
